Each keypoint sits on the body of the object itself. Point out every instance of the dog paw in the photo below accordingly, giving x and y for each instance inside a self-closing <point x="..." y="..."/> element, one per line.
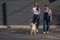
<point x="31" y="32"/>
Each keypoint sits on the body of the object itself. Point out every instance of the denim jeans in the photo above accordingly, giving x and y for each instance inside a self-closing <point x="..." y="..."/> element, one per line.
<point x="36" y="19"/>
<point x="46" y="22"/>
<point x="46" y="25"/>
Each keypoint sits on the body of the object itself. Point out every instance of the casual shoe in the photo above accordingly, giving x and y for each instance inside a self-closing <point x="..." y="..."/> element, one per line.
<point x="44" y="32"/>
<point x="47" y="32"/>
<point x="36" y="30"/>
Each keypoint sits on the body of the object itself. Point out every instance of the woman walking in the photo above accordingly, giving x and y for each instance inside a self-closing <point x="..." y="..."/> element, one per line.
<point x="36" y="15"/>
<point x="47" y="19"/>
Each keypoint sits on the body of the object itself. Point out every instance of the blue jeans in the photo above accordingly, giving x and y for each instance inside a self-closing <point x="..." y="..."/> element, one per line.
<point x="36" y="19"/>
<point x="46" y="25"/>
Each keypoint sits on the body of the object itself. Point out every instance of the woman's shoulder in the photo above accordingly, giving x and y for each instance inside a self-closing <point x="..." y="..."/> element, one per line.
<point x="50" y="10"/>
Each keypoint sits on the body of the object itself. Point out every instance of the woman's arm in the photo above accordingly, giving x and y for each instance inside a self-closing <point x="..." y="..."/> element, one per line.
<point x="50" y="15"/>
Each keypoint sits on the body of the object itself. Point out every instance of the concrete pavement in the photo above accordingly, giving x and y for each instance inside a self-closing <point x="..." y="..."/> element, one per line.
<point x="24" y="34"/>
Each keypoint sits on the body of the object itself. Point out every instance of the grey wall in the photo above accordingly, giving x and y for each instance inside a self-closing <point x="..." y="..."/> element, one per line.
<point x="1" y="12"/>
<point x="19" y="11"/>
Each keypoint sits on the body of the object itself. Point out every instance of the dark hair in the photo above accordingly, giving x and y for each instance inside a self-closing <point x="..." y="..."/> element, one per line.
<point x="37" y="5"/>
<point x="46" y="5"/>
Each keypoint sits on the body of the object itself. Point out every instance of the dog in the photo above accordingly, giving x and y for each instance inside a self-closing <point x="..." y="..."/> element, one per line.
<point x="33" y="28"/>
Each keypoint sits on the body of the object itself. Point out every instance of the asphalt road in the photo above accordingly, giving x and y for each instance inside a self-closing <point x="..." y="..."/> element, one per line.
<point x="23" y="34"/>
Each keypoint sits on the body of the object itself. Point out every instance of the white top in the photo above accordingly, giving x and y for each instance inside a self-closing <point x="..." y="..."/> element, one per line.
<point x="37" y="12"/>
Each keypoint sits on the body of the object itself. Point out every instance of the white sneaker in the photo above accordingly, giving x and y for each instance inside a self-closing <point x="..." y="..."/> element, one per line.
<point x="36" y="30"/>
<point x="44" y="32"/>
<point x="47" y="32"/>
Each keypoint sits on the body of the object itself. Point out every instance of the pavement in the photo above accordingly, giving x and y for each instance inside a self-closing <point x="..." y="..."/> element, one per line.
<point x="24" y="34"/>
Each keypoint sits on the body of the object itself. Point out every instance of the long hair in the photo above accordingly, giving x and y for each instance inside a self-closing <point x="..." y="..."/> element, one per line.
<point x="37" y="4"/>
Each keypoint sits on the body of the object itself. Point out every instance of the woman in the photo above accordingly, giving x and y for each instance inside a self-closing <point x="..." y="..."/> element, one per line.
<point x="36" y="12"/>
<point x="47" y="19"/>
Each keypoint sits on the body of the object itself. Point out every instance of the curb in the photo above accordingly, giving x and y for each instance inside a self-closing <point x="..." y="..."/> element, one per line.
<point x="25" y="26"/>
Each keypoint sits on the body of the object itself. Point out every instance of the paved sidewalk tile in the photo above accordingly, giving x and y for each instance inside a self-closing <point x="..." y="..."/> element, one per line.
<point x="23" y="34"/>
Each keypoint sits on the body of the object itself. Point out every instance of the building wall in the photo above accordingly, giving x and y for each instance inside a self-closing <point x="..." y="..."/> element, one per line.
<point x="20" y="11"/>
<point x="1" y="22"/>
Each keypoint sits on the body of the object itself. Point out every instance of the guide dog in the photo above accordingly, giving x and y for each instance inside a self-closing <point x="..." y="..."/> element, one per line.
<point x="33" y="28"/>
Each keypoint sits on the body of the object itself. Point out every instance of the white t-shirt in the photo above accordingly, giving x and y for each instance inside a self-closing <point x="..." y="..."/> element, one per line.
<point x="37" y="12"/>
